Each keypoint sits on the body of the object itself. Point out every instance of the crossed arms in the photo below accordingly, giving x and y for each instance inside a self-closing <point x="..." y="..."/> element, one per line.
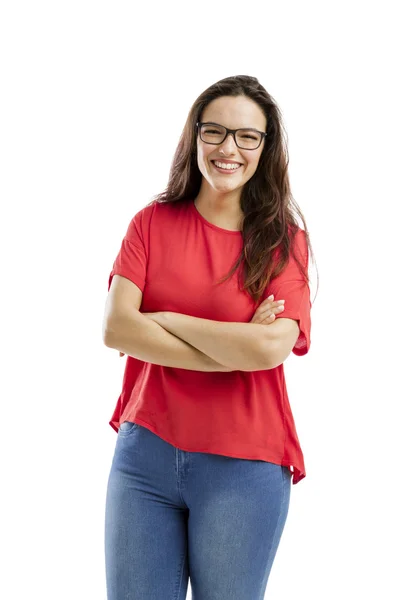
<point x="177" y="340"/>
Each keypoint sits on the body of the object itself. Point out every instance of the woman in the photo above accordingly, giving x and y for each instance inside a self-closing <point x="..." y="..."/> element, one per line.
<point x="201" y="475"/>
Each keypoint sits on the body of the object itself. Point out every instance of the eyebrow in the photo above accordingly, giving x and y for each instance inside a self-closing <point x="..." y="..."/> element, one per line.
<point x="220" y="124"/>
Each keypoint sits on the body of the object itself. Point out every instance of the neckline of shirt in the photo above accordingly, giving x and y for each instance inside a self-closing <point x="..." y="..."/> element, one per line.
<point x="205" y="222"/>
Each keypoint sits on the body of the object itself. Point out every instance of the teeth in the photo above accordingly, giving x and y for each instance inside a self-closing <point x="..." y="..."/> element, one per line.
<point x="226" y="166"/>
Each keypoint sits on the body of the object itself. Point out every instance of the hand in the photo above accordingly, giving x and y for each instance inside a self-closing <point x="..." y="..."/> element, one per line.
<point x="265" y="313"/>
<point x="153" y="316"/>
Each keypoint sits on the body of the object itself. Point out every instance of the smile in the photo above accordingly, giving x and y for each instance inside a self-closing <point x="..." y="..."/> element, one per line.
<point x="225" y="168"/>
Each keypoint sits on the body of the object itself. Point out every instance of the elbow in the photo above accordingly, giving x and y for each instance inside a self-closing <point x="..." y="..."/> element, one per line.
<point x="275" y="356"/>
<point x="105" y="332"/>
<point x="107" y="339"/>
<point x="265" y="359"/>
<point x="107" y="342"/>
<point x="108" y="334"/>
<point x="271" y="356"/>
<point x="121" y="330"/>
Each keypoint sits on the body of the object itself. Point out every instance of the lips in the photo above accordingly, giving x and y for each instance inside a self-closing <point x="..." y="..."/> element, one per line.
<point x="226" y="171"/>
<point x="227" y="162"/>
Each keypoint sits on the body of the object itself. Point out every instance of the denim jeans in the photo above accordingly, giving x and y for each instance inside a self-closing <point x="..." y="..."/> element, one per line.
<point x="171" y="515"/>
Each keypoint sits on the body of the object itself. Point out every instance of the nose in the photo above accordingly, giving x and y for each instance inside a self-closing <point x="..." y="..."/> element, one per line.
<point x="228" y="145"/>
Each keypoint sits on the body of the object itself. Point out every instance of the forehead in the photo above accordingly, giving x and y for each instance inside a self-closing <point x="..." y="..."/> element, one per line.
<point x="235" y="112"/>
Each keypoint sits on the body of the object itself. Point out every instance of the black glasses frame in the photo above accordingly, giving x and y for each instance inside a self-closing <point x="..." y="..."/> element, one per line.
<point x="233" y="131"/>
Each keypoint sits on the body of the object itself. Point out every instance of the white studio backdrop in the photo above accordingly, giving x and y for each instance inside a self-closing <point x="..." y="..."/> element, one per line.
<point x="94" y="96"/>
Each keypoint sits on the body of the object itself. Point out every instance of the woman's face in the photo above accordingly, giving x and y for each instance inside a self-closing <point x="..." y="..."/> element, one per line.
<point x="234" y="112"/>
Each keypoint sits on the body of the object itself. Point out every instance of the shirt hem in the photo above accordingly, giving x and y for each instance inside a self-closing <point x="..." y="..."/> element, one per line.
<point x="297" y="473"/>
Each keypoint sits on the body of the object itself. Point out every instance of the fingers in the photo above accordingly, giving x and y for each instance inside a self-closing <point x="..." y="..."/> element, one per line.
<point x="272" y="303"/>
<point x="266" y="314"/>
<point x="267" y="311"/>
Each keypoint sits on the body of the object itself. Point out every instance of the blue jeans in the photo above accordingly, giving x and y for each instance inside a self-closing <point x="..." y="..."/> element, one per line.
<point x="172" y="514"/>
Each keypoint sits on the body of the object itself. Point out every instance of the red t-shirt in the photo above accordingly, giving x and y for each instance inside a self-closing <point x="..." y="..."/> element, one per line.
<point x="174" y="255"/>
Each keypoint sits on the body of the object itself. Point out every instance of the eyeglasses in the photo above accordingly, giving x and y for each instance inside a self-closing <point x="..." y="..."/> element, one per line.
<point x="247" y="139"/>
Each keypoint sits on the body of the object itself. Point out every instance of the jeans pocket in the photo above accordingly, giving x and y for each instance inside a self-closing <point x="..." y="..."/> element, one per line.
<point x="126" y="427"/>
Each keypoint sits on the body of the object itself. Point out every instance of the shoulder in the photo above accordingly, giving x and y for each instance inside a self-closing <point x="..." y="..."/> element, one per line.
<point x="298" y="243"/>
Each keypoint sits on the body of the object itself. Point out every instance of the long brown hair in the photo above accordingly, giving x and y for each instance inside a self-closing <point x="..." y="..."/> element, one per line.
<point x="269" y="223"/>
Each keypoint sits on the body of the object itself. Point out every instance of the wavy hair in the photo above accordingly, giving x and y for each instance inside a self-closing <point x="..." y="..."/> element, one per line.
<point x="269" y="225"/>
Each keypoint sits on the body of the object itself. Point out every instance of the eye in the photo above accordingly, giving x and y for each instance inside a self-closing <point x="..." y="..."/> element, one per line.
<point x="250" y="135"/>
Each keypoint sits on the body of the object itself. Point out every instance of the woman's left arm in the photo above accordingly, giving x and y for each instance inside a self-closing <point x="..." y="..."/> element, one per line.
<point x="239" y="346"/>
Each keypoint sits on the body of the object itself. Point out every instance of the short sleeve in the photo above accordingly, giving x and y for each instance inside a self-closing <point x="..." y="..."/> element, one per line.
<point x="131" y="260"/>
<point x="291" y="286"/>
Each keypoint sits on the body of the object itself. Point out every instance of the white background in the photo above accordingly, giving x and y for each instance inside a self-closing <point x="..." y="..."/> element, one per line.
<point x="94" y="96"/>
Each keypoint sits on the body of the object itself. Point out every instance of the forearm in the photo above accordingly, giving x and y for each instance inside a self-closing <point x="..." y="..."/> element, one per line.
<point x="239" y="346"/>
<point x="142" y="338"/>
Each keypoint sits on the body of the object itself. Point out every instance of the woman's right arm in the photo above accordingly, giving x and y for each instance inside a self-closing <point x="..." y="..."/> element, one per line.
<point x="130" y="332"/>
<point x="142" y="338"/>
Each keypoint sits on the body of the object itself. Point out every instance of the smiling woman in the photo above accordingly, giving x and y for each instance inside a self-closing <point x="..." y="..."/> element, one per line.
<point x="204" y="393"/>
<point x="231" y="133"/>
